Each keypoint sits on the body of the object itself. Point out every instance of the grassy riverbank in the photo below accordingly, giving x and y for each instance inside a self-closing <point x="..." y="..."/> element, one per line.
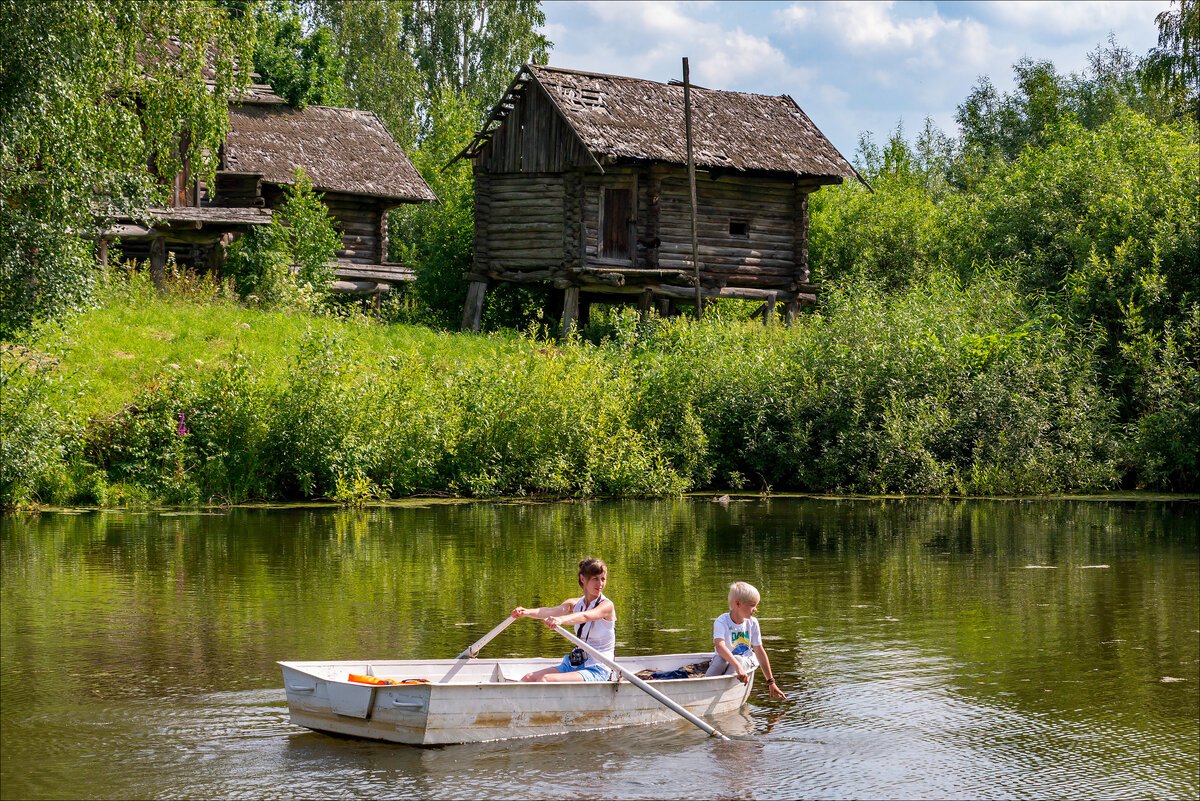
<point x="191" y="398"/>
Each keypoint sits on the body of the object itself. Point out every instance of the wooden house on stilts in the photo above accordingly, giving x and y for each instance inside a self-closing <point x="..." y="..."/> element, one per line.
<point x="582" y="190"/>
<point x="347" y="154"/>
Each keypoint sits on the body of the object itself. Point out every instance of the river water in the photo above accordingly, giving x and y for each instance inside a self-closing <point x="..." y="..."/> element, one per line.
<point x="929" y="649"/>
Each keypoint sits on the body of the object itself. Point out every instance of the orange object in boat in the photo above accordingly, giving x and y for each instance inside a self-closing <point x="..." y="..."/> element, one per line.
<point x="369" y="679"/>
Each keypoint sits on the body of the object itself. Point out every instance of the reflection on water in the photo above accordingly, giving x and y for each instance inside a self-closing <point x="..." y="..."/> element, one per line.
<point x="929" y="648"/>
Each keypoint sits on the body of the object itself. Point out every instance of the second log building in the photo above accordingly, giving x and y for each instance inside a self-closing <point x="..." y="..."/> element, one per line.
<point x="582" y="190"/>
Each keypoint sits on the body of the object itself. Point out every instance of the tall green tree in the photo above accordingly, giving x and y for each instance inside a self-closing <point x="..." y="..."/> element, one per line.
<point x="301" y="68"/>
<point x="378" y="73"/>
<point x="91" y="92"/>
<point x="1173" y="68"/>
<point x="474" y="46"/>
<point x="399" y="55"/>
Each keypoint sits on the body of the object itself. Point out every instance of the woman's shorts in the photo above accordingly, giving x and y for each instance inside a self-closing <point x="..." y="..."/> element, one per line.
<point x="592" y="673"/>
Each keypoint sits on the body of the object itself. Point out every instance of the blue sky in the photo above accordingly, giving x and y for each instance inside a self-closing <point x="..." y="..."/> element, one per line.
<point x="852" y="66"/>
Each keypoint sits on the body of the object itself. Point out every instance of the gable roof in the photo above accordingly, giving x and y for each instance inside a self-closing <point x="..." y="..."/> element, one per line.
<point x="631" y="118"/>
<point x="340" y="149"/>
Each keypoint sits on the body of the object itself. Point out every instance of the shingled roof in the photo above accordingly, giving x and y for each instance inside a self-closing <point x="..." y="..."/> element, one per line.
<point x="340" y="149"/>
<point x="631" y="118"/>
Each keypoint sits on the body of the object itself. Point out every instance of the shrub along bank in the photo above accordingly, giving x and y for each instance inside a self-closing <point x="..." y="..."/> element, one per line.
<point x="939" y="388"/>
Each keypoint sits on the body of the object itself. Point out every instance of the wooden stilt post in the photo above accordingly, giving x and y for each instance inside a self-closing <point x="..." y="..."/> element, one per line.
<point x="645" y="302"/>
<point x="102" y="254"/>
<point x="664" y="307"/>
<point x="769" y="310"/>
<point x="790" y="311"/>
<point x="158" y="262"/>
<point x="570" y="313"/>
<point x="473" y="308"/>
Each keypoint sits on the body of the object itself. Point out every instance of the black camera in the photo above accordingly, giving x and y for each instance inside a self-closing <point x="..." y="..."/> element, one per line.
<point x="577" y="657"/>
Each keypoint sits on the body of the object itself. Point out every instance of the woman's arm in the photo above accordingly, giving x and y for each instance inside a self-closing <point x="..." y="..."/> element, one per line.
<point x="543" y="612"/>
<point x="605" y="610"/>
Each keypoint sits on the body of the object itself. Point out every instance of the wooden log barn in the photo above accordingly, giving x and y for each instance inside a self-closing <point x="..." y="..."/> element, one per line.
<point x="582" y="190"/>
<point x="349" y="156"/>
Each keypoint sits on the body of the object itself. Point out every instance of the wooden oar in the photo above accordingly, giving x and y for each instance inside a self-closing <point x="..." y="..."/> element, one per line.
<point x="473" y="651"/>
<point x="641" y="685"/>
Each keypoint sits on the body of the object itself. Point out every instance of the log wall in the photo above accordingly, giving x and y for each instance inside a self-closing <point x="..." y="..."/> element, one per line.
<point x="764" y="257"/>
<point x="525" y="220"/>
<point x="233" y="189"/>
<point x="362" y="222"/>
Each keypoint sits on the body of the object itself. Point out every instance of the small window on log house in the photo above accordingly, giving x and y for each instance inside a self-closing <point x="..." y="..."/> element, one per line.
<point x="739" y="228"/>
<point x="614" y="223"/>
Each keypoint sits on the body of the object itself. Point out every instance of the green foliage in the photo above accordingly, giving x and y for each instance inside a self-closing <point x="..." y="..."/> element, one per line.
<point x="1109" y="214"/>
<point x="1164" y="433"/>
<point x="259" y="266"/>
<point x="31" y="446"/>
<point x="301" y="68"/>
<point x="1095" y="223"/>
<point x="473" y="46"/>
<point x="291" y="261"/>
<point x="438" y="239"/>
<point x="940" y="388"/>
<point x="307" y="233"/>
<point x="894" y="234"/>
<point x="899" y="392"/>
<point x="90" y="96"/>
<point x="1172" y="69"/>
<point x="399" y="56"/>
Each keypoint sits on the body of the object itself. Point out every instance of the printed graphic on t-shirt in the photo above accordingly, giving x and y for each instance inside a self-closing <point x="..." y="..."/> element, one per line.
<point x="739" y="637"/>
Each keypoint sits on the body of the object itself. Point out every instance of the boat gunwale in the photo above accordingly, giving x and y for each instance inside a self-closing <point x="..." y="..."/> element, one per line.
<point x="375" y="664"/>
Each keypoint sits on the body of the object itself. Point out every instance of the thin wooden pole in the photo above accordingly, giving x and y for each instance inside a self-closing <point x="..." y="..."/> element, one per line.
<point x="687" y="125"/>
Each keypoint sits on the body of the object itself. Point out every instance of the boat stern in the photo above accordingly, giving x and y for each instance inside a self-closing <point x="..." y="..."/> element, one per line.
<point x="323" y="699"/>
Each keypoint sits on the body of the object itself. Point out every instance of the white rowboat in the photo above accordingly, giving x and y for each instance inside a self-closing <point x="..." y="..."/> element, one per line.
<point x="473" y="700"/>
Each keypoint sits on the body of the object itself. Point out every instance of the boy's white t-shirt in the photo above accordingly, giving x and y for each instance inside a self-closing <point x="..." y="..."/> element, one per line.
<point x="735" y="634"/>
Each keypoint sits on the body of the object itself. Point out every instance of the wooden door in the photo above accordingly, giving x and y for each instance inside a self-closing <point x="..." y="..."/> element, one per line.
<point x="614" y="225"/>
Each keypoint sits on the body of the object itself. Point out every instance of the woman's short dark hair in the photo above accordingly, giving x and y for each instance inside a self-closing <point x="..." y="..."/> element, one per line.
<point x="591" y="567"/>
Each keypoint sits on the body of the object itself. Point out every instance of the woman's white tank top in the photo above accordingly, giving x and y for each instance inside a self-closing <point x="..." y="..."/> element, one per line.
<point x="600" y="634"/>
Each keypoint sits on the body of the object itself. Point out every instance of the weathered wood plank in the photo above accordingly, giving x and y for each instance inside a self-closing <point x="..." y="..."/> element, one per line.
<point x="570" y="313"/>
<point x="473" y="308"/>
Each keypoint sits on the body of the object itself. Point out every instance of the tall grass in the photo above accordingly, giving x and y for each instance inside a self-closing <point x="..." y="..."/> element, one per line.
<point x="189" y="398"/>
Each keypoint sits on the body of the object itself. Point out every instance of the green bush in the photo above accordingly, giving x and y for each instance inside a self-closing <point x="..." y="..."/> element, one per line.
<point x="1163" y="435"/>
<point x="31" y="442"/>
<point x="146" y="444"/>
<point x="437" y="239"/>
<point x="291" y="261"/>
<point x="1103" y="212"/>
<point x="942" y="388"/>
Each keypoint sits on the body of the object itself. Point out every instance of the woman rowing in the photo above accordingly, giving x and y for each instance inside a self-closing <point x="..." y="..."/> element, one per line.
<point x="595" y="621"/>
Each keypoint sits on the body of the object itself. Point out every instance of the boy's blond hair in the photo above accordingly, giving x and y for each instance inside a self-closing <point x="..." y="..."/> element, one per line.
<point x="746" y="593"/>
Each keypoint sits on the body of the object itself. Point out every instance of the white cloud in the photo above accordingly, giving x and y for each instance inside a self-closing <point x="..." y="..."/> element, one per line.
<point x="873" y="24"/>
<point x="1058" y="18"/>
<point x="657" y="35"/>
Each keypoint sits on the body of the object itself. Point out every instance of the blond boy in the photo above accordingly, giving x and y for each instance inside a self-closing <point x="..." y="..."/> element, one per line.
<point x="736" y="635"/>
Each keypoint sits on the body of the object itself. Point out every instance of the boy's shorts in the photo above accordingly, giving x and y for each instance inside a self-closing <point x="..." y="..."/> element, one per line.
<point x="592" y="673"/>
<point x="719" y="667"/>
